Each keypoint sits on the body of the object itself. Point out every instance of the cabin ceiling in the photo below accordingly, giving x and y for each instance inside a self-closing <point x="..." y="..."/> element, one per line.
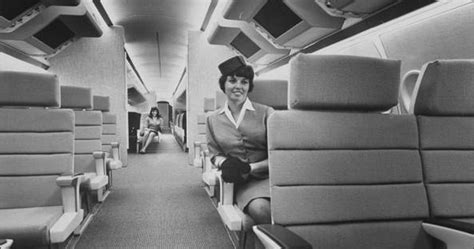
<point x="156" y="37"/>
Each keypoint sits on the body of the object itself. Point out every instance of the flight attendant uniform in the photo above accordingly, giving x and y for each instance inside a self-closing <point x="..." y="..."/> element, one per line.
<point x="245" y="139"/>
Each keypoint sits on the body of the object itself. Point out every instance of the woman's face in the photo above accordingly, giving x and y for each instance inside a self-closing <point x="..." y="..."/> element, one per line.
<point x="154" y="113"/>
<point x="236" y="88"/>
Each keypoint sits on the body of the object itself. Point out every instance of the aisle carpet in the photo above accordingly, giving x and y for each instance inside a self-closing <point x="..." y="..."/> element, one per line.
<point x="157" y="202"/>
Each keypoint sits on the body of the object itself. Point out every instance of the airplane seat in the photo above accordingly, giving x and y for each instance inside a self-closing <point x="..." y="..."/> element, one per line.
<point x="342" y="174"/>
<point x="110" y="144"/>
<point x="88" y="156"/>
<point x="89" y="160"/>
<point x="273" y="93"/>
<point x="39" y="194"/>
<point x="201" y="140"/>
<point x="444" y="107"/>
<point x="407" y="86"/>
<point x="209" y="176"/>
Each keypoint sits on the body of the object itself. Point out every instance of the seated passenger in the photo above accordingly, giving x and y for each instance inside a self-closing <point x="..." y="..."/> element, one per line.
<point x="237" y="140"/>
<point x="151" y="128"/>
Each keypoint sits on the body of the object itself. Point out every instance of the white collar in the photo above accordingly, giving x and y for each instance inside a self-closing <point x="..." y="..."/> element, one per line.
<point x="247" y="106"/>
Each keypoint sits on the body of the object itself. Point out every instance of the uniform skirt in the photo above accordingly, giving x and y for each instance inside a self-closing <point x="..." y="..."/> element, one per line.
<point x="252" y="189"/>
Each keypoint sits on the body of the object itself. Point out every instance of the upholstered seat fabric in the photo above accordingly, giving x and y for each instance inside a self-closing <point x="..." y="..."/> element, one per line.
<point x="36" y="147"/>
<point x="444" y="105"/>
<point x="273" y="93"/>
<point x="362" y="83"/>
<point x="341" y="175"/>
<point x="76" y="97"/>
<point x="44" y="92"/>
<point x="29" y="227"/>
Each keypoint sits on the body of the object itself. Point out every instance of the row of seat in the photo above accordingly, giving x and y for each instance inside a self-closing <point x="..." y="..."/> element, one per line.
<point x="179" y="129"/>
<point x="351" y="170"/>
<point x="343" y="175"/>
<point x="57" y="152"/>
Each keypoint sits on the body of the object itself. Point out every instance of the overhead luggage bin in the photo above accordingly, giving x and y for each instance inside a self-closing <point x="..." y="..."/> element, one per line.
<point x="135" y="97"/>
<point x="52" y="30"/>
<point x="288" y="23"/>
<point x="14" y="13"/>
<point x="244" y="39"/>
<point x="354" y="8"/>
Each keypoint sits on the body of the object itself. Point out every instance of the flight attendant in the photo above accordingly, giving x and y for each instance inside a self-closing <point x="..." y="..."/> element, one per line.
<point x="237" y="140"/>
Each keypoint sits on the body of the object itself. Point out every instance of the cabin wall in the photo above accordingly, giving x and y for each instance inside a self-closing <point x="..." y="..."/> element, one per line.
<point x="203" y="80"/>
<point x="99" y="63"/>
<point x="418" y="39"/>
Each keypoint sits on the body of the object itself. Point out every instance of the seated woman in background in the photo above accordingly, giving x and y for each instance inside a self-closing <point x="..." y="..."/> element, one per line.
<point x="152" y="127"/>
<point x="237" y="140"/>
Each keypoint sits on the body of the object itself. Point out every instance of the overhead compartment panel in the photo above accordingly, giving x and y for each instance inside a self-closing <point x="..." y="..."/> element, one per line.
<point x="288" y="23"/>
<point x="14" y="13"/>
<point x="52" y="30"/>
<point x="134" y="96"/>
<point x="245" y="40"/>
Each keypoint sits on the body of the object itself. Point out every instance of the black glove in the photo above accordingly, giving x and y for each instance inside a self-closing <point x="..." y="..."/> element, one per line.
<point x="233" y="169"/>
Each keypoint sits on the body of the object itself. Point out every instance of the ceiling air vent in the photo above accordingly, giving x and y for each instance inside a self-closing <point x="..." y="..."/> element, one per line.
<point x="52" y="30"/>
<point x="245" y="40"/>
<point x="288" y="23"/>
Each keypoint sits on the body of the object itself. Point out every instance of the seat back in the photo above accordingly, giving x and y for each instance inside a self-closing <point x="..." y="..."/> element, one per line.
<point x="273" y="93"/>
<point x="444" y="107"/>
<point x="88" y="125"/>
<point x="342" y="174"/>
<point x="36" y="144"/>
<point x="109" y="122"/>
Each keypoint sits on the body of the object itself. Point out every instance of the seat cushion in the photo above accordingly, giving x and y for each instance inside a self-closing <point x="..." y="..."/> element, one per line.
<point x="29" y="226"/>
<point x="113" y="164"/>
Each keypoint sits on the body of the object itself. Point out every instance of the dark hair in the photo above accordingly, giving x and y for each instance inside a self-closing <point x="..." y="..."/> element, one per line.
<point x="245" y="71"/>
<point x="158" y="115"/>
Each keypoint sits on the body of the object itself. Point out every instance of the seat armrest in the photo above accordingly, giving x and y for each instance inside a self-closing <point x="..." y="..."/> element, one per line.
<point x="226" y="191"/>
<point x="100" y="164"/>
<point x="197" y="154"/>
<point x="276" y="236"/>
<point x="70" y="192"/>
<point x="456" y="234"/>
<point x="115" y="150"/>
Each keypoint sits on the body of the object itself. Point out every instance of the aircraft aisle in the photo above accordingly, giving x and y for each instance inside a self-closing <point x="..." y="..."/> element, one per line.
<point x="156" y="202"/>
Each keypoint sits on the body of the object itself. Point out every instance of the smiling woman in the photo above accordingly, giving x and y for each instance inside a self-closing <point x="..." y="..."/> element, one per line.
<point x="237" y="140"/>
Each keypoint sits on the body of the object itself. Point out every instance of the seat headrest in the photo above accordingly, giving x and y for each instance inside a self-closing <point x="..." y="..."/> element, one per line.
<point x="101" y="103"/>
<point x="29" y="89"/>
<point x="220" y="99"/>
<point x="345" y="83"/>
<point x="209" y="104"/>
<point x="273" y="93"/>
<point x="76" y="97"/>
<point x="445" y="88"/>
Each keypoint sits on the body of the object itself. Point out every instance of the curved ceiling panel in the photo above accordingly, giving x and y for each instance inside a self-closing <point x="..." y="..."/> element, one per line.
<point x="156" y="36"/>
